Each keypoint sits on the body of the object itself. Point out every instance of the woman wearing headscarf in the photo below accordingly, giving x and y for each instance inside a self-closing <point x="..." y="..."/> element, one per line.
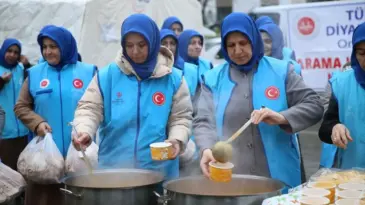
<point x="288" y="54"/>
<point x="138" y="100"/>
<point x="263" y="20"/>
<point x="49" y="97"/>
<point x="170" y="41"/>
<point x="14" y="135"/>
<point x="343" y="123"/>
<point x="190" y="47"/>
<point x="173" y="23"/>
<point x="189" y="71"/>
<point x="235" y="92"/>
<point x="273" y="40"/>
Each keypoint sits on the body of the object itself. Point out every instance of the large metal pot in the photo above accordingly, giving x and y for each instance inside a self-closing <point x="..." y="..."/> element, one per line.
<point x="113" y="187"/>
<point x="242" y="190"/>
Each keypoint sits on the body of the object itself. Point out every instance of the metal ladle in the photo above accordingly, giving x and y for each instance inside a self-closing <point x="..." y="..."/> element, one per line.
<point x="86" y="159"/>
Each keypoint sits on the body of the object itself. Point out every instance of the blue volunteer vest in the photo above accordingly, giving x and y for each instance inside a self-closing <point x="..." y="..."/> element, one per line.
<point x="56" y="94"/>
<point x="136" y="115"/>
<point x="288" y="54"/>
<point x="282" y="150"/>
<point x="191" y="77"/>
<point x="204" y="66"/>
<point x="351" y="103"/>
<point x="297" y="67"/>
<point x="329" y="151"/>
<point x="328" y="155"/>
<point x="13" y="127"/>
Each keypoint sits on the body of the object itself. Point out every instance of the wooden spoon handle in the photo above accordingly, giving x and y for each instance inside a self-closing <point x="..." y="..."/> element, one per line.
<point x="238" y="132"/>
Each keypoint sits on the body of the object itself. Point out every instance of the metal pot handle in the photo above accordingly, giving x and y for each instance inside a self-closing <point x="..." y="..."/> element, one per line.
<point x="70" y="193"/>
<point x="162" y="199"/>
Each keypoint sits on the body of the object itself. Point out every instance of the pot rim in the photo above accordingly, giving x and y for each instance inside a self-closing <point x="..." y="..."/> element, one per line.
<point x="275" y="181"/>
<point x="158" y="177"/>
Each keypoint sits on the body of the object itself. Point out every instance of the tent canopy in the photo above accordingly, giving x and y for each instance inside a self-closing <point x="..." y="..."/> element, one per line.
<point x="95" y="24"/>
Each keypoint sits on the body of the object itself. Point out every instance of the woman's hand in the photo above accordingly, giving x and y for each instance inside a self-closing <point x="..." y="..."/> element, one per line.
<point x="43" y="128"/>
<point x="268" y="116"/>
<point x="176" y="145"/>
<point x="81" y="141"/>
<point x="207" y="157"/>
<point x="6" y="76"/>
<point x="340" y="136"/>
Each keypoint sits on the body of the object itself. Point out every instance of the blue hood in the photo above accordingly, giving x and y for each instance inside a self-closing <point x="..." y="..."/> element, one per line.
<point x="5" y="46"/>
<point x="178" y="61"/>
<point x="264" y="20"/>
<point x="145" y="26"/>
<point x="277" y="39"/>
<point x="171" y="20"/>
<point x="65" y="42"/>
<point x="184" y="41"/>
<point x="358" y="37"/>
<point x="240" y="22"/>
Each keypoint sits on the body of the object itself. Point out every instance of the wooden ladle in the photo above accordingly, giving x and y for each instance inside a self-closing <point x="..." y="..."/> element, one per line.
<point x="222" y="150"/>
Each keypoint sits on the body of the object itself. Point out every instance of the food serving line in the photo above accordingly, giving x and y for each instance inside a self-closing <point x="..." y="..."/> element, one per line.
<point x="133" y="186"/>
<point x="144" y="187"/>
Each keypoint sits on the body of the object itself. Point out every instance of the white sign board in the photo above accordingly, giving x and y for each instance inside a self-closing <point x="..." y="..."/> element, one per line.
<point x="321" y="37"/>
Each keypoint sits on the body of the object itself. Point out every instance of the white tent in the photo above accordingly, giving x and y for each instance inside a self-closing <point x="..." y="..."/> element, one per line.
<point x="95" y="24"/>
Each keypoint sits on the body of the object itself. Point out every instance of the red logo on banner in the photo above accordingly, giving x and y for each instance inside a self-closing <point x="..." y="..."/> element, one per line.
<point x="158" y="98"/>
<point x="78" y="83"/>
<point x="272" y="92"/>
<point x="306" y="26"/>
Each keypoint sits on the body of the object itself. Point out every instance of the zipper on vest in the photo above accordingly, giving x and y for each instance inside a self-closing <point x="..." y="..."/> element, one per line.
<point x="138" y="122"/>
<point x="14" y="99"/>
<point x="60" y="88"/>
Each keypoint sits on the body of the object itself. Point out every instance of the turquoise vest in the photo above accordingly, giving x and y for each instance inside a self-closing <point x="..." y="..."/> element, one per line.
<point x="282" y="150"/>
<point x="56" y="94"/>
<point x="204" y="66"/>
<point x="8" y="96"/>
<point x="328" y="153"/>
<point x="136" y="115"/>
<point x="287" y="54"/>
<point x="351" y="103"/>
<point x="191" y="77"/>
<point x="297" y="67"/>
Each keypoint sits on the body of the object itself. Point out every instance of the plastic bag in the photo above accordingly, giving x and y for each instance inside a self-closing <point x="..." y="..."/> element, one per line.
<point x="75" y="160"/>
<point x="41" y="161"/>
<point x="11" y="183"/>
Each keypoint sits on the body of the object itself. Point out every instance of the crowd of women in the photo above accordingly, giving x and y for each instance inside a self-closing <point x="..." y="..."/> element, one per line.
<point x="158" y="89"/>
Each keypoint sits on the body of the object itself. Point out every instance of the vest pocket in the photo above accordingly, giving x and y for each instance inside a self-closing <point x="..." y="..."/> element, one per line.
<point x="43" y="91"/>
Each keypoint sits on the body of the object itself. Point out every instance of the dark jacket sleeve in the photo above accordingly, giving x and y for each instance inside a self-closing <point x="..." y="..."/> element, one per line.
<point x="331" y="118"/>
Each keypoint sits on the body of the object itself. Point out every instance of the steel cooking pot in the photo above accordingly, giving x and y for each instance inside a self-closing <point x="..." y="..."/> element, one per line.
<point x="242" y="190"/>
<point x="112" y="187"/>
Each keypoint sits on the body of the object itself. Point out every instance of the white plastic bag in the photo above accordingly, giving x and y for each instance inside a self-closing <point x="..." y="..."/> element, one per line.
<point x="75" y="161"/>
<point x="11" y="183"/>
<point x="41" y="161"/>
